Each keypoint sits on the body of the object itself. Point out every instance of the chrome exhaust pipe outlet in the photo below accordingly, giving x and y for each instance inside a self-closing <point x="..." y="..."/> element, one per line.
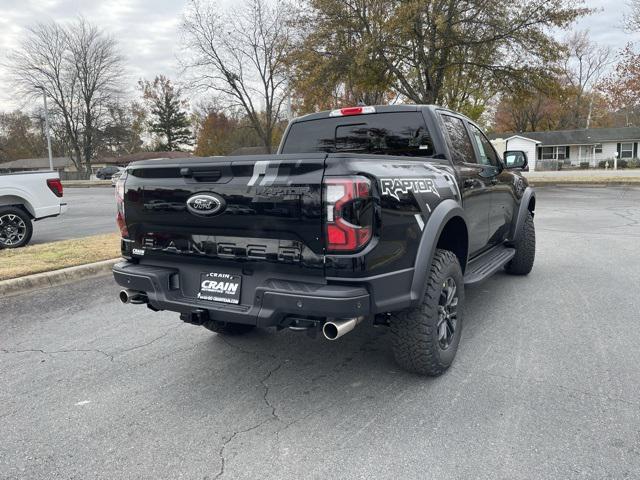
<point x="334" y="329"/>
<point x="132" y="296"/>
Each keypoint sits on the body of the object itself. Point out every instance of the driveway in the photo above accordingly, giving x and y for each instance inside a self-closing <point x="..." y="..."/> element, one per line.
<point x="545" y="385"/>
<point x="90" y="211"/>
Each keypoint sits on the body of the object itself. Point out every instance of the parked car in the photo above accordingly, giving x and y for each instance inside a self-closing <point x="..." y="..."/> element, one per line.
<point x="366" y="214"/>
<point x="107" y="172"/>
<point x="27" y="197"/>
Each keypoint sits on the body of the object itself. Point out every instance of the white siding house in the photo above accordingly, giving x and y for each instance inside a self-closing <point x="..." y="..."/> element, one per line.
<point x="573" y="147"/>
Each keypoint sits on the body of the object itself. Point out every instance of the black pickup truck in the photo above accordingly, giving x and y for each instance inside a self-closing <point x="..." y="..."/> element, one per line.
<point x="365" y="215"/>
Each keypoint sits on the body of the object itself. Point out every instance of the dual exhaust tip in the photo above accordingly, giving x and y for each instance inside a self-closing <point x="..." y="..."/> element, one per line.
<point x="334" y="329"/>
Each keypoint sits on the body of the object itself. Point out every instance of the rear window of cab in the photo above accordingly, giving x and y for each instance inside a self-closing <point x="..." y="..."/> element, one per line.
<point x="393" y="133"/>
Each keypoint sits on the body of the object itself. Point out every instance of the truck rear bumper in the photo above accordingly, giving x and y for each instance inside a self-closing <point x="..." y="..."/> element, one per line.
<point x="274" y="299"/>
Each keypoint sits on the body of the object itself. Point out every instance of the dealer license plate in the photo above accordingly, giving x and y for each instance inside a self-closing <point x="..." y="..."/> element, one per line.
<point x="220" y="287"/>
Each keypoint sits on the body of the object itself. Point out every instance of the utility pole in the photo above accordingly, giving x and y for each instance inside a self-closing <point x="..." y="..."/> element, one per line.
<point x="46" y="126"/>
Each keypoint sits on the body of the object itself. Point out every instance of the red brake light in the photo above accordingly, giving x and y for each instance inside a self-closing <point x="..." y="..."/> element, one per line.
<point x="343" y="112"/>
<point x="349" y="213"/>
<point x="55" y="185"/>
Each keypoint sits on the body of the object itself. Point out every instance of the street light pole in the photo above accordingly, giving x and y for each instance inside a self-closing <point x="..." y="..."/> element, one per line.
<point x="46" y="126"/>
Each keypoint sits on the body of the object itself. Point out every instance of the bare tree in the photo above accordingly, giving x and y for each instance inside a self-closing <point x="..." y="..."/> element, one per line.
<point x="632" y="20"/>
<point x="240" y="54"/>
<point x="79" y="68"/>
<point x="583" y="67"/>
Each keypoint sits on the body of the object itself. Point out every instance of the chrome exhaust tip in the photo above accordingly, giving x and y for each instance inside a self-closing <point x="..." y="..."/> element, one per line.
<point x="334" y="329"/>
<point x="132" y="296"/>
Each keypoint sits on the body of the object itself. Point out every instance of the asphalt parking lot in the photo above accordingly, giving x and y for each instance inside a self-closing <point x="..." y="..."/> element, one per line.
<point x="545" y="384"/>
<point x="90" y="211"/>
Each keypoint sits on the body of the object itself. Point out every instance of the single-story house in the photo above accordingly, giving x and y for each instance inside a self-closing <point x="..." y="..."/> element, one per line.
<point x="67" y="170"/>
<point x="591" y="145"/>
<point x="28" y="164"/>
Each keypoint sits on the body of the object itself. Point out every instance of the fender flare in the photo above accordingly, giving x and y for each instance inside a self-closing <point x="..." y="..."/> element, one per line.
<point x="516" y="223"/>
<point x="444" y="212"/>
<point x="17" y="199"/>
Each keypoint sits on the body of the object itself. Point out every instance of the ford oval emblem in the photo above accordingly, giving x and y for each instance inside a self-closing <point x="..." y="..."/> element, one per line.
<point x="205" y="204"/>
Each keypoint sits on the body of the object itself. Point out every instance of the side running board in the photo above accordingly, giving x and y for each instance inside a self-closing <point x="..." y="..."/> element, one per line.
<point x="485" y="265"/>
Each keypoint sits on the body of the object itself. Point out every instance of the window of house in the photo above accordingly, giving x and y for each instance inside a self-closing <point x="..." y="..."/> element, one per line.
<point x="554" y="153"/>
<point x="626" y="150"/>
<point x="597" y="148"/>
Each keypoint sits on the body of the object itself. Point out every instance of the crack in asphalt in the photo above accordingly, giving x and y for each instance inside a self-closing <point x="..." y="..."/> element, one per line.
<point x="54" y="352"/>
<point x="265" y="397"/>
<point x="266" y="391"/>
<point x="226" y="442"/>
<point x="135" y="347"/>
<point x="364" y="348"/>
<point x="90" y="350"/>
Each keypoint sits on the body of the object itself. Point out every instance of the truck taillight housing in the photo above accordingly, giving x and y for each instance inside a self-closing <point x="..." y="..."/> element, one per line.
<point x="55" y="185"/>
<point x="120" y="218"/>
<point x="349" y="213"/>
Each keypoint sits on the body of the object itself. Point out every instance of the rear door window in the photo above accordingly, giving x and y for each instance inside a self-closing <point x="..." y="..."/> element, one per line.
<point x="488" y="155"/>
<point x="459" y="141"/>
<point x="398" y="133"/>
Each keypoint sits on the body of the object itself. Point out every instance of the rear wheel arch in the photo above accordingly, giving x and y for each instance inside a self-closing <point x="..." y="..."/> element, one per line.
<point x="447" y="219"/>
<point x="527" y="205"/>
<point x="455" y="238"/>
<point x="532" y="204"/>
<point x="18" y="202"/>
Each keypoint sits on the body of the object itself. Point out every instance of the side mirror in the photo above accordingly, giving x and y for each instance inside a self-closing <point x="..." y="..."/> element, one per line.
<point x="515" y="159"/>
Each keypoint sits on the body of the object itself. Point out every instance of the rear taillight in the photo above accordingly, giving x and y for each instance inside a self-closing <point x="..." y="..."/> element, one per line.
<point x="343" y="112"/>
<point x="349" y="213"/>
<point x="120" y="219"/>
<point x="55" y="185"/>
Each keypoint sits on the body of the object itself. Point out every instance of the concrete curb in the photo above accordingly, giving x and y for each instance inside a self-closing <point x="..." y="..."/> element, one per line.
<point x="574" y="183"/>
<point x="85" y="184"/>
<point x="37" y="281"/>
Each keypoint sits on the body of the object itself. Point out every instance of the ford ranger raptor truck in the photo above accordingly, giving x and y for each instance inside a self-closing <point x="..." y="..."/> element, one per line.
<point x="365" y="215"/>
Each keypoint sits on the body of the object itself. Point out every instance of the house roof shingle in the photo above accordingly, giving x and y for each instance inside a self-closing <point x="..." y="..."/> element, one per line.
<point x="584" y="136"/>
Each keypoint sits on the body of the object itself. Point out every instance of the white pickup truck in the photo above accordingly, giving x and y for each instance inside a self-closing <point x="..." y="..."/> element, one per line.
<point x="26" y="197"/>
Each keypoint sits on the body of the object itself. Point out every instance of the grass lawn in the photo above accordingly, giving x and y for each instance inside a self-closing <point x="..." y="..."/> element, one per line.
<point x="56" y="255"/>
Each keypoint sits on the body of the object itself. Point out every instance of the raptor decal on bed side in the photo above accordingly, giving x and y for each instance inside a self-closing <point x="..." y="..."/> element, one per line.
<point x="393" y="186"/>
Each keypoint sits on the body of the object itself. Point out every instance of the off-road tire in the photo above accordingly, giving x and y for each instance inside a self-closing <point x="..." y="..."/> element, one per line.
<point x="28" y="225"/>
<point x="228" y="328"/>
<point x="522" y="262"/>
<point x="416" y="345"/>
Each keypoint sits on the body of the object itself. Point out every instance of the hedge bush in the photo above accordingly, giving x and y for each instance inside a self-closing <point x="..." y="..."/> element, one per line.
<point x="633" y="163"/>
<point x="621" y="163"/>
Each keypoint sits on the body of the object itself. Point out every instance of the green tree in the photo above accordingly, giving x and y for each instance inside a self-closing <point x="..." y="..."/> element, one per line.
<point x="123" y="132"/>
<point x="448" y="52"/>
<point x="169" y="120"/>
<point x="337" y="64"/>
<point x="622" y="87"/>
<point x="19" y="137"/>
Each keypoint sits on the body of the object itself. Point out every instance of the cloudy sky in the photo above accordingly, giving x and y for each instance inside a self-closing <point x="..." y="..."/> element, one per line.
<point x="148" y="29"/>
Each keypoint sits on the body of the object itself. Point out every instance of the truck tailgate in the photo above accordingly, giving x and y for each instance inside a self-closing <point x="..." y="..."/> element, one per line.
<point x="263" y="208"/>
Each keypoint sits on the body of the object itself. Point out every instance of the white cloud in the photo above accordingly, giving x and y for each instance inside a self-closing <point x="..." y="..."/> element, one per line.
<point x="148" y="30"/>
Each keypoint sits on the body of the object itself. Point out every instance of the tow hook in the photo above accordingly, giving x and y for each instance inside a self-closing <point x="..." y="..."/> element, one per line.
<point x="195" y="317"/>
